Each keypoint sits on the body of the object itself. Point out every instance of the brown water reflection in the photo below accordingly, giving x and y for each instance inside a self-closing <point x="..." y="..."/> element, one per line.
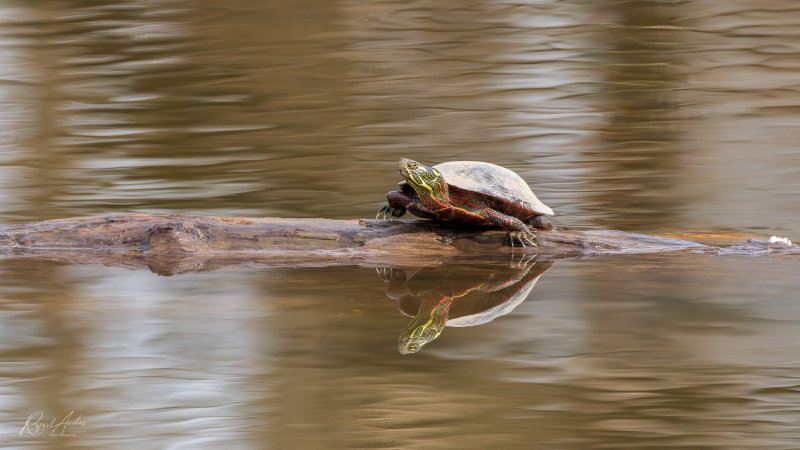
<point x="665" y="351"/>
<point x="649" y="116"/>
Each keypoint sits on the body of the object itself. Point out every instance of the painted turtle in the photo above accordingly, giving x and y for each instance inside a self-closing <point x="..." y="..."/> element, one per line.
<point x="471" y="192"/>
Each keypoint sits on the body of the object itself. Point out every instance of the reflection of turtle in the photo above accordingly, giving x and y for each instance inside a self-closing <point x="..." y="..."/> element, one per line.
<point x="469" y="192"/>
<point x="459" y="296"/>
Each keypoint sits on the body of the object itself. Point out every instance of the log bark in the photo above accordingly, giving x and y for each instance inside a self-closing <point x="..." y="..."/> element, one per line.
<point x="170" y="244"/>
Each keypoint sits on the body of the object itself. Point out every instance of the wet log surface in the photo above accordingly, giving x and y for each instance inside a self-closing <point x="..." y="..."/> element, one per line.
<point x="170" y="244"/>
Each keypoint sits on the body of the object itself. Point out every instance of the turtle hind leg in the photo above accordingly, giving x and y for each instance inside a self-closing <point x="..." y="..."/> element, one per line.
<point x="540" y="223"/>
<point x="516" y="229"/>
<point x="523" y="237"/>
<point x="396" y="206"/>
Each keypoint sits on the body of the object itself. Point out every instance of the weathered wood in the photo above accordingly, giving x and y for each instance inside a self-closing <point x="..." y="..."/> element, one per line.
<point x="168" y="244"/>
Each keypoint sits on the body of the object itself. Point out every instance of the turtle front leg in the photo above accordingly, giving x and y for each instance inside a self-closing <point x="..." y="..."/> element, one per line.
<point x="516" y="229"/>
<point x="396" y="206"/>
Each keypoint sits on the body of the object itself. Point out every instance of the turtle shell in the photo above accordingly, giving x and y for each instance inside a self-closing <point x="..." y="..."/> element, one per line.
<point x="493" y="181"/>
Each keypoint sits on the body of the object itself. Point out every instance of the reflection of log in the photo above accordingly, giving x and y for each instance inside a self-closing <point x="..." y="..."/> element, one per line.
<point x="173" y="243"/>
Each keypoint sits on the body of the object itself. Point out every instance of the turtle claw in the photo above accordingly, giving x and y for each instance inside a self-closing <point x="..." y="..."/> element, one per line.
<point x="387" y="212"/>
<point x="382" y="213"/>
<point x="384" y="273"/>
<point x="525" y="262"/>
<point x="523" y="237"/>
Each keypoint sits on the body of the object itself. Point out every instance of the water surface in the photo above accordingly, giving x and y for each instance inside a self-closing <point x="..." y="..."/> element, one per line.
<point x="646" y="116"/>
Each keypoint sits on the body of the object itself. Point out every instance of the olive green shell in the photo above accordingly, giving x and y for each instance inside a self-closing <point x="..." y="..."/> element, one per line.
<point x="492" y="180"/>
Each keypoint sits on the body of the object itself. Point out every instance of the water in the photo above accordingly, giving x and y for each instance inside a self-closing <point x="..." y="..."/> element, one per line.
<point x="651" y="117"/>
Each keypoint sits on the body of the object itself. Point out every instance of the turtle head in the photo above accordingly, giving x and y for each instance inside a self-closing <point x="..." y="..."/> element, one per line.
<point x="414" y="338"/>
<point x="426" y="181"/>
<point x="426" y="326"/>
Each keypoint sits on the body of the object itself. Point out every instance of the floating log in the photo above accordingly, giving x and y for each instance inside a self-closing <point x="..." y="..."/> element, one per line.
<point x="169" y="244"/>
